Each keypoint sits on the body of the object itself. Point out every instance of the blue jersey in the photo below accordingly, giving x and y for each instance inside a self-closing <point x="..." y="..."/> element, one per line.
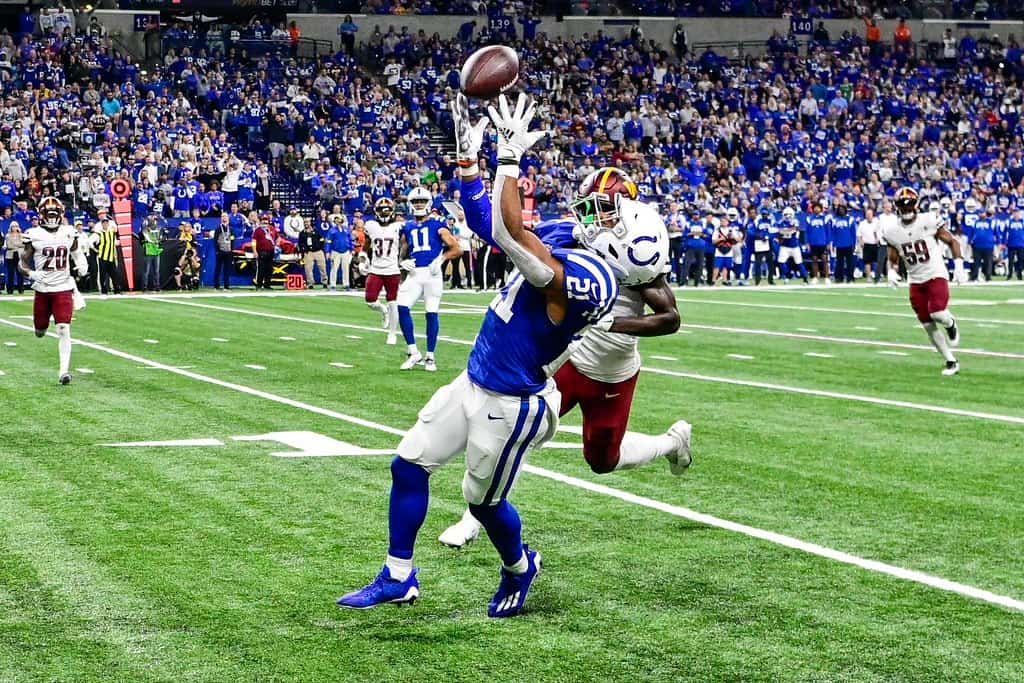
<point x="517" y="339"/>
<point x="556" y="233"/>
<point x="1015" y="233"/>
<point x="816" y="228"/>
<point x="424" y="240"/>
<point x="982" y="234"/>
<point x="844" y="231"/>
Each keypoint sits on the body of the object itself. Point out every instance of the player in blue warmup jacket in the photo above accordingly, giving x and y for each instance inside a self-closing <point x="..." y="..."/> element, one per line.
<point x="982" y="239"/>
<point x="844" y="238"/>
<point x="816" y="234"/>
<point x="426" y="243"/>
<point x="503" y="405"/>
<point x="1015" y="245"/>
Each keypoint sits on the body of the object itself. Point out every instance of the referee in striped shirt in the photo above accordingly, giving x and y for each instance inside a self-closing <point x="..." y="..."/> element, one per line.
<point x="106" y="256"/>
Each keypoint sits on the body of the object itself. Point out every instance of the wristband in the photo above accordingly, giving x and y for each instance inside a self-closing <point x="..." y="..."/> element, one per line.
<point x="468" y="168"/>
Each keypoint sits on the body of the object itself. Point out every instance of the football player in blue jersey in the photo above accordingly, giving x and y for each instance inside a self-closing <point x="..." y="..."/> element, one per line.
<point x="426" y="244"/>
<point x="504" y="404"/>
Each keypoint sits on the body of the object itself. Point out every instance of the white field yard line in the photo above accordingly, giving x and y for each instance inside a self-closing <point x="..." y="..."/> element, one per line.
<point x="678" y="511"/>
<point x="848" y="340"/>
<point x="687" y="375"/>
<point x="850" y="311"/>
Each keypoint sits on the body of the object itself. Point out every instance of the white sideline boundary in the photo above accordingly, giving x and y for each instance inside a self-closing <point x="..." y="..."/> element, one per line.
<point x="675" y="510"/>
<point x="658" y="371"/>
<point x="824" y="309"/>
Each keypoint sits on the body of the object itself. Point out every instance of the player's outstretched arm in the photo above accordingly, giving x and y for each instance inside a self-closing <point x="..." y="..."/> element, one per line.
<point x="664" y="316"/>
<point x="25" y="264"/>
<point x="524" y="248"/>
<point x="469" y="137"/>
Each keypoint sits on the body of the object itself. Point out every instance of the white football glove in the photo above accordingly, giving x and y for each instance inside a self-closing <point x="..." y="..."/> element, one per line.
<point x="408" y="265"/>
<point x="894" y="276"/>
<point x="514" y="136"/>
<point x="469" y="136"/>
<point x="436" y="266"/>
<point x="33" y="275"/>
<point x="959" y="274"/>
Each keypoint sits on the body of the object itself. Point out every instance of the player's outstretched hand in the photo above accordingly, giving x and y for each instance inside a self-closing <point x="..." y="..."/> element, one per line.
<point x="514" y="136"/>
<point x="469" y="136"/>
<point x="894" y="277"/>
<point x="408" y="265"/>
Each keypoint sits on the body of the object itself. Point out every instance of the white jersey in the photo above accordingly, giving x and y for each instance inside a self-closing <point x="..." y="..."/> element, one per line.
<point x="917" y="245"/>
<point x="384" y="240"/>
<point x="611" y="357"/>
<point x="51" y="257"/>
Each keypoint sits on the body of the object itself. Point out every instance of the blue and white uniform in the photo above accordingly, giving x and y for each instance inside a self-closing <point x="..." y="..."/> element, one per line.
<point x="425" y="245"/>
<point x="504" y="405"/>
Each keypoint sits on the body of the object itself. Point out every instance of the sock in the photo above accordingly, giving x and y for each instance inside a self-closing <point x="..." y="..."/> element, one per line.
<point x="939" y="340"/>
<point x="411" y="348"/>
<point x="637" y="449"/>
<point x="405" y="320"/>
<point x="377" y="306"/>
<point x="433" y="328"/>
<point x="504" y="528"/>
<point x="803" y="272"/>
<point x="944" y="318"/>
<point x="392" y="317"/>
<point x="64" y="346"/>
<point x="399" y="568"/>
<point x="410" y="493"/>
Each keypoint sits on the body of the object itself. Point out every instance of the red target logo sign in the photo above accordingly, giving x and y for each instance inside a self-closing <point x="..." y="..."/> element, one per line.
<point x="120" y="188"/>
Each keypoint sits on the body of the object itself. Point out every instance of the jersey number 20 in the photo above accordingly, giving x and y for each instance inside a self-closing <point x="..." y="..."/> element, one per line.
<point x="56" y="259"/>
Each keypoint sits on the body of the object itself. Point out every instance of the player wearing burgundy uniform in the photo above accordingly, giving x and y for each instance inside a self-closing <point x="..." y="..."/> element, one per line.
<point x="46" y="260"/>
<point x="599" y="373"/>
<point x="383" y="235"/>
<point x="915" y="238"/>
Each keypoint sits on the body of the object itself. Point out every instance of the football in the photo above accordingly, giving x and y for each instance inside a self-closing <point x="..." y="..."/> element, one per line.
<point x="489" y="71"/>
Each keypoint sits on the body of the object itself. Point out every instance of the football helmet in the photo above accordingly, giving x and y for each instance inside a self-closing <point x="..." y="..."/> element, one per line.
<point x="945" y="203"/>
<point x="788" y="213"/>
<point x="906" y="204"/>
<point x="51" y="213"/>
<point x="597" y="200"/>
<point x="384" y="209"/>
<point x="637" y="249"/>
<point x="419" y="202"/>
<point x="732" y="214"/>
<point x="971" y="205"/>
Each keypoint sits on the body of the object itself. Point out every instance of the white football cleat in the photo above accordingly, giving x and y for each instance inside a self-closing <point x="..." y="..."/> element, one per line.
<point x="461" y="533"/>
<point x="392" y="340"/>
<point x="384" y="318"/>
<point x="952" y="368"/>
<point x="411" y="359"/>
<point x="680" y="459"/>
<point x="430" y="365"/>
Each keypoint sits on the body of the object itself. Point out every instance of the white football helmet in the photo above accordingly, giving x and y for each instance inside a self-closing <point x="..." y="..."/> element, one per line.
<point x="945" y="203"/>
<point x="788" y="213"/>
<point x="971" y="205"/>
<point x="636" y="248"/>
<point x="419" y="201"/>
<point x="732" y="214"/>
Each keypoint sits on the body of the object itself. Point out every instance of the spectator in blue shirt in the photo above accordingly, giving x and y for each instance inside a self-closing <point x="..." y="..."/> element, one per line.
<point x="816" y="234"/>
<point x="696" y="241"/>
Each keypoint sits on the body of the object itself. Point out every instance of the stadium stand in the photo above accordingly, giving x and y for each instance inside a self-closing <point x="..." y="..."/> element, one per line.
<point x="258" y="116"/>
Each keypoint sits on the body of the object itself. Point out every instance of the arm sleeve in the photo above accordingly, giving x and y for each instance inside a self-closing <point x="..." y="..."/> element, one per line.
<point x="536" y="272"/>
<point x="477" y="206"/>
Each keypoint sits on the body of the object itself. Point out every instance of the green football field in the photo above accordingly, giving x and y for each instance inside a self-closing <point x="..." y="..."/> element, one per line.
<point x="850" y="515"/>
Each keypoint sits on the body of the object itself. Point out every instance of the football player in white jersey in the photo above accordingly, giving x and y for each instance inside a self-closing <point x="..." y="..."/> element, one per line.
<point x="600" y="372"/>
<point x="383" y="234"/>
<point x="917" y="240"/>
<point x="46" y="260"/>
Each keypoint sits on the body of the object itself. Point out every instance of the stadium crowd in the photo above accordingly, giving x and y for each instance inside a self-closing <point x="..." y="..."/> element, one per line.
<point x="204" y="135"/>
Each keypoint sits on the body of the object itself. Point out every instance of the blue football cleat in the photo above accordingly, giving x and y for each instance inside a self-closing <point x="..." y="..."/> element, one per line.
<point x="382" y="590"/>
<point x="512" y="590"/>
